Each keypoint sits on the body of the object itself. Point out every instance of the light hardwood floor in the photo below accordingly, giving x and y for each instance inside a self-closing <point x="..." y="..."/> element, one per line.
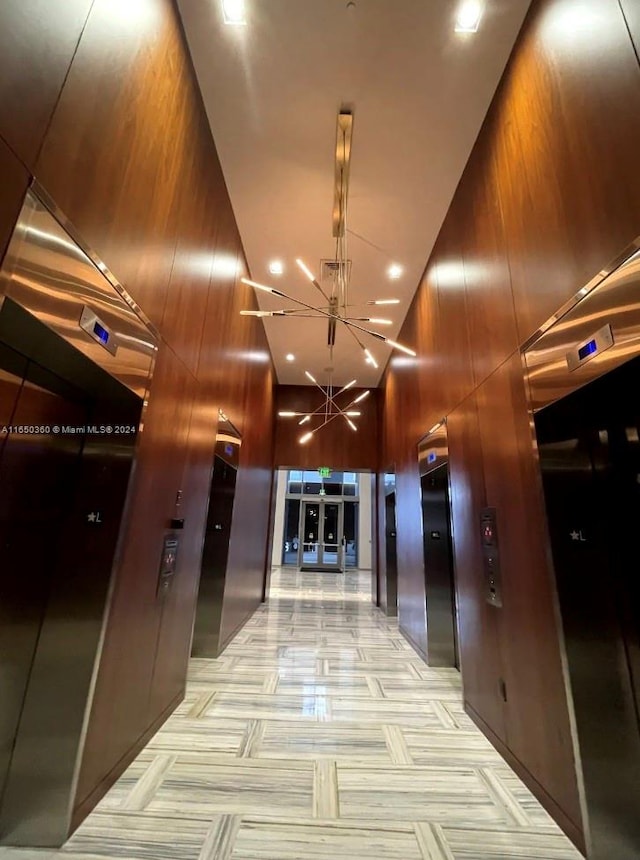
<point x="319" y="733"/>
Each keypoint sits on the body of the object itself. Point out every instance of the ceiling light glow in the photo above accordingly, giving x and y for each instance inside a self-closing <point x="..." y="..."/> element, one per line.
<point x="380" y="321"/>
<point x="276" y="267"/>
<point x="233" y="12"/>
<point x="385" y="302"/>
<point x="395" y="271"/>
<point x="469" y="15"/>
<point x="290" y="356"/>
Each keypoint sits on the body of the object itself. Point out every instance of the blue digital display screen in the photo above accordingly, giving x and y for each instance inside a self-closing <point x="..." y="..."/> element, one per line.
<point x="432" y="457"/>
<point x="587" y="349"/>
<point x="228" y="450"/>
<point x="102" y="333"/>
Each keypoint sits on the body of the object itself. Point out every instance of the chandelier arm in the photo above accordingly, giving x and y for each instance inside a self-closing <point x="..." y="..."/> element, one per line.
<point x="282" y="295"/>
<point x="332" y="417"/>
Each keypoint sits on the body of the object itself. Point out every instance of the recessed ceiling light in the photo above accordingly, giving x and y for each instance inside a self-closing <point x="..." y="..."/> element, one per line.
<point x="233" y="12"/>
<point x="394" y="271"/>
<point x="468" y="19"/>
<point x="290" y="356"/>
<point x="276" y="267"/>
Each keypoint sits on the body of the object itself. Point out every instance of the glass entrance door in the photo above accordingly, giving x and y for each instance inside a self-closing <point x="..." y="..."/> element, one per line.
<point x="310" y="546"/>
<point x="322" y="529"/>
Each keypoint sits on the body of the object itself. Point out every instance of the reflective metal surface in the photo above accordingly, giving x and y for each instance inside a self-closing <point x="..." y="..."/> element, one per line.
<point x="615" y="302"/>
<point x="433" y="458"/>
<point x="583" y="374"/>
<point x="215" y="553"/>
<point x="65" y="463"/>
<point x="589" y="450"/>
<point x="46" y="272"/>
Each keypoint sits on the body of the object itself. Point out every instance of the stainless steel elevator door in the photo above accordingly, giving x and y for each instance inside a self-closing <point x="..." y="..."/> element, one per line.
<point x="442" y="643"/>
<point x="589" y="448"/>
<point x="37" y="479"/>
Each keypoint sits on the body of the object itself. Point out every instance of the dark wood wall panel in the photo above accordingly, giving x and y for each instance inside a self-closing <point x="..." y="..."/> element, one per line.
<point x="336" y="445"/>
<point x="37" y="44"/>
<point x="117" y="154"/>
<point x="532" y="671"/>
<point x="491" y="319"/>
<point x="104" y="109"/>
<point x="479" y="623"/>
<point x="567" y="132"/>
<point x="549" y="197"/>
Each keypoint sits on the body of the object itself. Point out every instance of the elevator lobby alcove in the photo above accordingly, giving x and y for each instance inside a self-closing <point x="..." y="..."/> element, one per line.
<point x="319" y="441"/>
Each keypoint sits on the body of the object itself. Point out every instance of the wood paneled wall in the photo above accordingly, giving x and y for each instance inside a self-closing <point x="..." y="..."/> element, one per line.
<point x="336" y="445"/>
<point x="550" y="196"/>
<point x="98" y="101"/>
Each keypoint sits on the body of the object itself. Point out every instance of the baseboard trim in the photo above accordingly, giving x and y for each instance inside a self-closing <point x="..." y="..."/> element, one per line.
<point x="572" y="830"/>
<point x="83" y="809"/>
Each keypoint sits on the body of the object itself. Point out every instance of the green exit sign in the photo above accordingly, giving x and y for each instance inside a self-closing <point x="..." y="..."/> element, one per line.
<point x="324" y="472"/>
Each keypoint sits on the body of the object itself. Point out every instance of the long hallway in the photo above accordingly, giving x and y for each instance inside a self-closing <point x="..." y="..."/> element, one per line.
<point x="318" y="733"/>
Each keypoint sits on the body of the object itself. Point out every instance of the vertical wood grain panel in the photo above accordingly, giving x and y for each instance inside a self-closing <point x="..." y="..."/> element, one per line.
<point x="37" y="44"/>
<point x="550" y="195"/>
<point x="479" y="623"/>
<point x="533" y="672"/>
<point x="452" y="334"/>
<point x="128" y="156"/>
<point x="569" y="121"/>
<point x="493" y="334"/>
<point x="115" y="154"/>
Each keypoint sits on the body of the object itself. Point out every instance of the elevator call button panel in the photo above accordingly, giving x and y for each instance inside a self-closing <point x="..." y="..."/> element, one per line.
<point x="167" y="563"/>
<point x="491" y="556"/>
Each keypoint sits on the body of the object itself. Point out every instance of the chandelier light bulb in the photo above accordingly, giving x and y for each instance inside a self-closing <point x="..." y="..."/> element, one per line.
<point x="304" y="268"/>
<point x="287" y="414"/>
<point x="385" y="302"/>
<point x="304" y="439"/>
<point x="361" y="396"/>
<point x="352" y="425"/>
<point x="370" y="358"/>
<point x="309" y="376"/>
<point x="399" y="346"/>
<point x="305" y="419"/>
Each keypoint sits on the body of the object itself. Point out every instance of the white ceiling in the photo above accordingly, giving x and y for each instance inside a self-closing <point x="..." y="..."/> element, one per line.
<point x="272" y="90"/>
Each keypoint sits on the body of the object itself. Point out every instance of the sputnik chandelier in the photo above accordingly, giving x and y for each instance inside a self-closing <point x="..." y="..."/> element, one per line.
<point x="335" y="308"/>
